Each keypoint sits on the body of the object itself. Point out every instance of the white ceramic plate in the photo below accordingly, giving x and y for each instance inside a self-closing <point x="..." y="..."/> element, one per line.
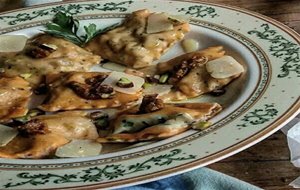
<point x="257" y="105"/>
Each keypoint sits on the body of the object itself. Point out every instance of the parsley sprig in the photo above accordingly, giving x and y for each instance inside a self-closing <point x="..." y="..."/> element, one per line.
<point x="65" y="26"/>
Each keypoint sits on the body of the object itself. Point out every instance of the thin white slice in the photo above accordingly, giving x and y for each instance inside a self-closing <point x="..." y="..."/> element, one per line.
<point x="12" y="43"/>
<point x="79" y="148"/>
<point x="224" y="67"/>
<point x="158" y="89"/>
<point x="190" y="45"/>
<point x="180" y="120"/>
<point x="7" y="134"/>
<point x="113" y="66"/>
<point x="115" y="76"/>
<point x="51" y="46"/>
<point x="158" y="22"/>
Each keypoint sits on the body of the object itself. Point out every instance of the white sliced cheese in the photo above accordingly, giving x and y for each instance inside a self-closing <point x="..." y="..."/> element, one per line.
<point x="158" y="22"/>
<point x="224" y="67"/>
<point x="7" y="134"/>
<point x="51" y="46"/>
<point x="190" y="45"/>
<point x="79" y="148"/>
<point x="113" y="66"/>
<point x="12" y="43"/>
<point x="158" y="89"/>
<point x="115" y="76"/>
<point x="179" y="121"/>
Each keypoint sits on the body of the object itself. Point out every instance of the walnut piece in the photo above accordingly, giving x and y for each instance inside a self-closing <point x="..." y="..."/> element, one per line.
<point x="93" y="89"/>
<point x="150" y="103"/>
<point x="40" y="51"/>
<point x="185" y="67"/>
<point x="152" y="79"/>
<point x="33" y="127"/>
<point x="94" y="80"/>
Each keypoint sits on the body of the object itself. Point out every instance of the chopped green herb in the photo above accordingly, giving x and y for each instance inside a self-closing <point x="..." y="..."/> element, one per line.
<point x="66" y="27"/>
<point x="102" y="123"/>
<point x="23" y="119"/>
<point x="125" y="83"/>
<point x="127" y="124"/>
<point x="25" y="75"/>
<point x="29" y="115"/>
<point x="201" y="125"/>
<point x="162" y="120"/>
<point x="100" y="119"/>
<point x="35" y="112"/>
<point x="163" y="78"/>
<point x="146" y="85"/>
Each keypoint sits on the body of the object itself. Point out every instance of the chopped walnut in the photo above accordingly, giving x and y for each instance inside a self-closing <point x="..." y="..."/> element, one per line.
<point x="92" y="92"/>
<point x="33" y="127"/>
<point x="185" y="67"/>
<point x="151" y="79"/>
<point x="125" y="85"/>
<point x="151" y="103"/>
<point x="42" y="88"/>
<point x="95" y="80"/>
<point x="40" y="51"/>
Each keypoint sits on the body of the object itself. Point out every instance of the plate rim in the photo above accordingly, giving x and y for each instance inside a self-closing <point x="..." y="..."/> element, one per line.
<point x="237" y="147"/>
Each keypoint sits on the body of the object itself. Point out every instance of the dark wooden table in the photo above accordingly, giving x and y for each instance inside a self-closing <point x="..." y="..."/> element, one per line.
<point x="266" y="164"/>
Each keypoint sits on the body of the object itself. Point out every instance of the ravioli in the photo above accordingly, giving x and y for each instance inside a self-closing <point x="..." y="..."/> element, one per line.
<point x="61" y="128"/>
<point x="46" y="54"/>
<point x="59" y="70"/>
<point x="63" y="97"/>
<point x="15" y="94"/>
<point x="130" y="44"/>
<point x="130" y="126"/>
<point x="197" y="80"/>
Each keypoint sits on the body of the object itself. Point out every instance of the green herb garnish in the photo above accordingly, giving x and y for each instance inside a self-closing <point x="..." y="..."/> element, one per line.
<point x="25" y="75"/>
<point x="127" y="124"/>
<point x="125" y="83"/>
<point x="146" y="85"/>
<point x="163" y="78"/>
<point x="29" y="115"/>
<point x="66" y="27"/>
<point x="201" y="125"/>
<point x="100" y="119"/>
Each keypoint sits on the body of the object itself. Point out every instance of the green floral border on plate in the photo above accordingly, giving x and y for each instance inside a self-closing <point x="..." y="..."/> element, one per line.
<point x="98" y="174"/>
<point x="256" y="94"/>
<point x="279" y="47"/>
